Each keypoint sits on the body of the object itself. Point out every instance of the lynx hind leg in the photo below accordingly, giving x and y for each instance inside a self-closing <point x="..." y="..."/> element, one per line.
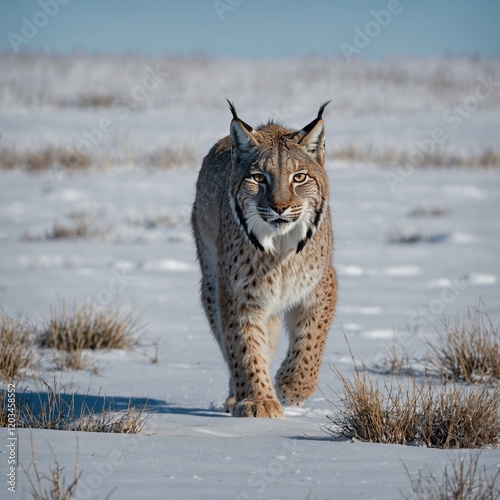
<point x="209" y="299"/>
<point x="308" y="329"/>
<point x="207" y="258"/>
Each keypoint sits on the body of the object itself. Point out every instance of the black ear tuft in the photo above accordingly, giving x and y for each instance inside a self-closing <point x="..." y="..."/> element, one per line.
<point x="322" y="108"/>
<point x="311" y="125"/>
<point x="236" y="117"/>
<point x="232" y="109"/>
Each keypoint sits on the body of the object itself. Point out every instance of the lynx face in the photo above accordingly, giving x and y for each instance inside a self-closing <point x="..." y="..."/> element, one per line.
<point x="278" y="185"/>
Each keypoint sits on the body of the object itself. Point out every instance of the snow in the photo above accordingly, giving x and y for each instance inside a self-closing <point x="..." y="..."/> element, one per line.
<point x="189" y="448"/>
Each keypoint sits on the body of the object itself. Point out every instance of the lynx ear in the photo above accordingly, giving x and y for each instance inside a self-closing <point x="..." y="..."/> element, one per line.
<point x="242" y="138"/>
<point x="312" y="136"/>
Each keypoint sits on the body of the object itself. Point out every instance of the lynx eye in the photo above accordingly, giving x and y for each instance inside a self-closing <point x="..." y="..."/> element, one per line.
<point x="260" y="178"/>
<point x="300" y="177"/>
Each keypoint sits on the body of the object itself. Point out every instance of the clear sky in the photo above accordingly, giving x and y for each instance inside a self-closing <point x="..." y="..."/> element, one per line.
<point x="255" y="28"/>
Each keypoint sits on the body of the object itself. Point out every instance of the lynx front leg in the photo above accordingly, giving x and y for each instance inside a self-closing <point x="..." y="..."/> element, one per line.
<point x="254" y="392"/>
<point x="248" y="353"/>
<point x="308" y="327"/>
<point x="272" y="331"/>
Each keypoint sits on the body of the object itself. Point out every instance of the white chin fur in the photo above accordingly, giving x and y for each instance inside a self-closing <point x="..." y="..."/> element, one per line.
<point x="280" y="239"/>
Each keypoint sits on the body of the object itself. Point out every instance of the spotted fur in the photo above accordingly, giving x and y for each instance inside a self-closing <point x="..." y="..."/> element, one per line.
<point x="261" y="222"/>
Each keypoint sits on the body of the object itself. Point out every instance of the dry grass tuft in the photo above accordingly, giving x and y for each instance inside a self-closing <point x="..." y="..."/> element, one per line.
<point x="469" y="349"/>
<point x="86" y="327"/>
<point x="56" y="488"/>
<point x="43" y="159"/>
<point x="429" y="211"/>
<point x="172" y="157"/>
<point x="164" y="219"/>
<point x="96" y="100"/>
<point x="80" y="226"/>
<point x="15" y="346"/>
<point x="394" y="156"/>
<point x="488" y="158"/>
<point x="129" y="421"/>
<point x="402" y="412"/>
<point x="462" y="480"/>
<point x="369" y="153"/>
<point x="443" y="158"/>
<point x="9" y="158"/>
<point x="80" y="229"/>
<point x="404" y="237"/>
<point x="167" y="220"/>
<point x="57" y="411"/>
<point x="395" y="361"/>
<point x="399" y="236"/>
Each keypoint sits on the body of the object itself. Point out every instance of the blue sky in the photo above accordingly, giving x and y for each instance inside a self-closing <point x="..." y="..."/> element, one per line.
<point x="255" y="28"/>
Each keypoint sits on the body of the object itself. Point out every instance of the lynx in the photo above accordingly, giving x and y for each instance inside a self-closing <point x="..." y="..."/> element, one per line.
<point x="261" y="222"/>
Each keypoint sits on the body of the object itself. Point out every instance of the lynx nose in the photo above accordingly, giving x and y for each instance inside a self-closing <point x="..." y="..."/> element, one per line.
<point x="279" y="209"/>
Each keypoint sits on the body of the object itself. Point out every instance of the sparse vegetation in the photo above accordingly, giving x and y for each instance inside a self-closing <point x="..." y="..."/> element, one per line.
<point x="366" y="154"/>
<point x="81" y="226"/>
<point x="49" y="408"/>
<point x="429" y="211"/>
<point x="96" y="100"/>
<point x="71" y="159"/>
<point x="52" y="486"/>
<point x="171" y="219"/>
<point x="15" y="346"/>
<point x="9" y="158"/>
<point x="57" y="411"/>
<point x="90" y="225"/>
<point x="404" y="412"/>
<point x="463" y="479"/>
<point x="391" y="156"/>
<point x="463" y="350"/>
<point x="468" y="350"/>
<point x="401" y="236"/>
<point x="173" y="156"/>
<point x="43" y="159"/>
<point x="396" y="361"/>
<point x="70" y="332"/>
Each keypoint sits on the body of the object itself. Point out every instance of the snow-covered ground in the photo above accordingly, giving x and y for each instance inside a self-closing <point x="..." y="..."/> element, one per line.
<point x="188" y="448"/>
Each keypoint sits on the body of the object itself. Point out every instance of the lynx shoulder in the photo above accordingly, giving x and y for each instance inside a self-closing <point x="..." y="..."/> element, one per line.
<point x="261" y="223"/>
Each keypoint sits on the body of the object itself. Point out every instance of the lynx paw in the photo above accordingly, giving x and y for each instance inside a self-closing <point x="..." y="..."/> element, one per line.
<point x="268" y="408"/>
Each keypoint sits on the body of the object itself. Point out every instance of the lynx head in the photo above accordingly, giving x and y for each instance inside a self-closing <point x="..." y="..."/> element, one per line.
<point x="278" y="187"/>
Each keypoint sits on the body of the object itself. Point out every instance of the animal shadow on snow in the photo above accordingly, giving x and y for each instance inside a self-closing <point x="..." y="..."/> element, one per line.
<point x="67" y="407"/>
